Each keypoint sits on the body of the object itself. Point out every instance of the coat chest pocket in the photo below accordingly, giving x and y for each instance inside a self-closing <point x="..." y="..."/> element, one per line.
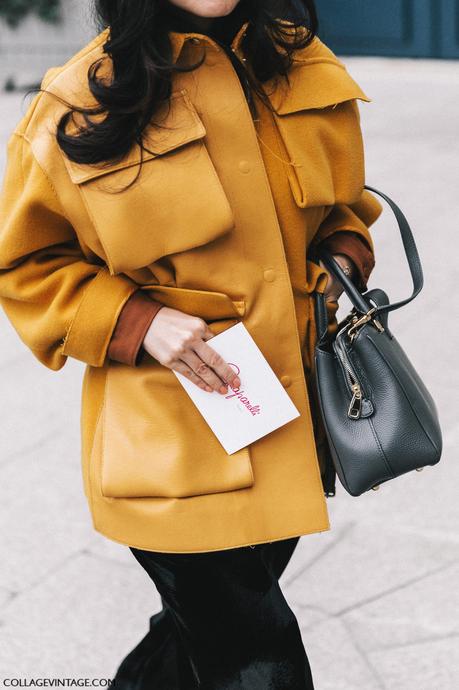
<point x="154" y="441"/>
<point x="318" y="122"/>
<point x="176" y="203"/>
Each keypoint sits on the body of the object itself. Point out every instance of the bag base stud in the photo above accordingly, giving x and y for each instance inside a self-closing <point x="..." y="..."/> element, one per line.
<point x="376" y="488"/>
<point x="419" y="469"/>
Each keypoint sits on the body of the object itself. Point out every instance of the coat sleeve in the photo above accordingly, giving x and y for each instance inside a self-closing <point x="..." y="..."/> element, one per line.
<point x="346" y="224"/>
<point x="60" y="303"/>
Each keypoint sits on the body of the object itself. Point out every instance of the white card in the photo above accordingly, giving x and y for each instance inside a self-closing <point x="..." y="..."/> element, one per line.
<point x="258" y="407"/>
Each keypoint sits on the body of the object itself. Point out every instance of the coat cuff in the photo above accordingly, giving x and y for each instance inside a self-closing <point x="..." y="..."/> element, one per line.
<point x="353" y="246"/>
<point x="89" y="333"/>
<point x="130" y="330"/>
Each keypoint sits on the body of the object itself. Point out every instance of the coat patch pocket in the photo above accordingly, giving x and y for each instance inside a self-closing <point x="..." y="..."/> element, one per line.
<point x="176" y="203"/>
<point x="155" y="442"/>
<point x="319" y="125"/>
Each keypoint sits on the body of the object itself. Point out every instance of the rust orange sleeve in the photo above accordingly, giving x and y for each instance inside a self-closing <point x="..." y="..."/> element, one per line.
<point x="354" y="246"/>
<point x="131" y="327"/>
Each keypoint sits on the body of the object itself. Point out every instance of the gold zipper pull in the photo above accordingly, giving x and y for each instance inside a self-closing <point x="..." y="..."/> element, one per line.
<point x="355" y="408"/>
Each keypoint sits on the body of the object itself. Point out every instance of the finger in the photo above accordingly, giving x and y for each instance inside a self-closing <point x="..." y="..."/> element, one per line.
<point x="216" y="362"/>
<point x="329" y="275"/>
<point x="203" y="370"/>
<point x="333" y="290"/>
<point x="333" y="294"/>
<point x="208" y="334"/>
<point x="187" y="371"/>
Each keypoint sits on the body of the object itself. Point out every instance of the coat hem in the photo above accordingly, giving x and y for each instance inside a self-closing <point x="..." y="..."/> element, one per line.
<point x="296" y="533"/>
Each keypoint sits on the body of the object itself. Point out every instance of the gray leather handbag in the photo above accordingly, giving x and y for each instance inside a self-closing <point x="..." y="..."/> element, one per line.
<point x="379" y="417"/>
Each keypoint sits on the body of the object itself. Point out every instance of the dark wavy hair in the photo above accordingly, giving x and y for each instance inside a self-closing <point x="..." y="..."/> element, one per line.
<point x="139" y="47"/>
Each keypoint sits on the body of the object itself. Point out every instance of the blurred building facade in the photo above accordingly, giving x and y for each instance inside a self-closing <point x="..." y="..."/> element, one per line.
<point x="27" y="51"/>
<point x="406" y="28"/>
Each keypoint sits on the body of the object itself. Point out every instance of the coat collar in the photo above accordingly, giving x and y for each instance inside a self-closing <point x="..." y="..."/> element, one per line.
<point x="178" y="40"/>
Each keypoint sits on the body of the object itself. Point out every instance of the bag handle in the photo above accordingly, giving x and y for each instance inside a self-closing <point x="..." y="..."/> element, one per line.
<point x="357" y="298"/>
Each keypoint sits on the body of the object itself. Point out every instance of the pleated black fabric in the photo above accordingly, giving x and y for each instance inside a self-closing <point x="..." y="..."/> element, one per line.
<point x="224" y="625"/>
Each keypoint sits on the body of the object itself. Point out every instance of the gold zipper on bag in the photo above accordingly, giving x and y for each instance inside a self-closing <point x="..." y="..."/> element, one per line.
<point x="355" y="406"/>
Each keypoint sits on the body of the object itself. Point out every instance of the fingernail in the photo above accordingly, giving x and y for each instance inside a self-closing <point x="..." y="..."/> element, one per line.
<point x="223" y="390"/>
<point x="236" y="383"/>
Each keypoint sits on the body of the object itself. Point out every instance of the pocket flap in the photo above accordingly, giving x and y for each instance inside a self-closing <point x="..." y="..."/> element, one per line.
<point x="175" y="203"/>
<point x="206" y="304"/>
<point x="178" y="125"/>
<point x="319" y="124"/>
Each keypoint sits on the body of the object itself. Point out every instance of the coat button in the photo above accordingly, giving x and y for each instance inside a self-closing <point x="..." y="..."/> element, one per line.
<point x="245" y="167"/>
<point x="269" y="275"/>
<point x="285" y="380"/>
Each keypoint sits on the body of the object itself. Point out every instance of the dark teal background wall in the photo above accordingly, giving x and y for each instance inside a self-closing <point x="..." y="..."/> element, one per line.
<point x="411" y="28"/>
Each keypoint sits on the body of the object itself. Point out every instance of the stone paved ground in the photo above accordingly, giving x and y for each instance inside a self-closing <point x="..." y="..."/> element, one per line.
<point x="377" y="596"/>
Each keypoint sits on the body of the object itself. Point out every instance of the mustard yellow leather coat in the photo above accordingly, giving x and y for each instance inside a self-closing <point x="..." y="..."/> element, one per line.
<point x="199" y="232"/>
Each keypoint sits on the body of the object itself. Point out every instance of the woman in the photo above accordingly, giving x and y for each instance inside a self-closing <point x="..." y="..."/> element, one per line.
<point x="176" y="176"/>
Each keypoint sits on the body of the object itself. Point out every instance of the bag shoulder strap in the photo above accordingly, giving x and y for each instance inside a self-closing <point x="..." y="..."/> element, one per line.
<point x="412" y="256"/>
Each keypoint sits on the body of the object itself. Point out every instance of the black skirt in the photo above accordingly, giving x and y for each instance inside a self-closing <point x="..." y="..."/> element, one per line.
<point x="224" y="625"/>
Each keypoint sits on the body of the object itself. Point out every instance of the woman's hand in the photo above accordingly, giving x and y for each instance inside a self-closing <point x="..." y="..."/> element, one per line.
<point x="334" y="289"/>
<point x="178" y="341"/>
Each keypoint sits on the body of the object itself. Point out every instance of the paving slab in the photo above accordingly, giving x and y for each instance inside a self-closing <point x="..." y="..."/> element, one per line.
<point x="43" y="513"/>
<point x="100" y="547"/>
<point x="81" y="621"/>
<point x="40" y="402"/>
<point x="371" y="563"/>
<point x="428" y="666"/>
<point x="336" y="661"/>
<point x="425" y="611"/>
